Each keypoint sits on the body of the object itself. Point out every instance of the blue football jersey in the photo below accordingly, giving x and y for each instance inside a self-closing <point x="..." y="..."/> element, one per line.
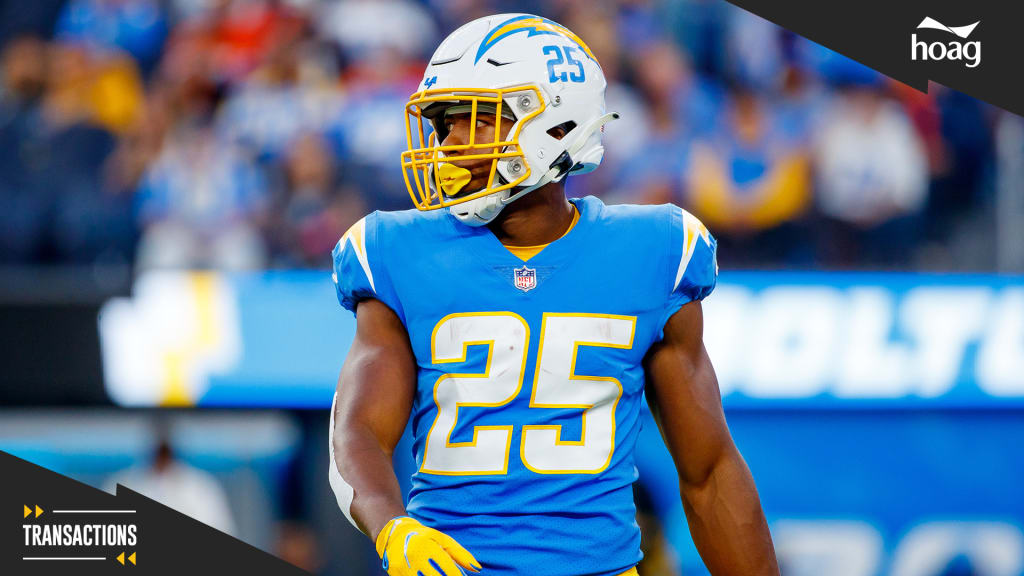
<point x="530" y="380"/>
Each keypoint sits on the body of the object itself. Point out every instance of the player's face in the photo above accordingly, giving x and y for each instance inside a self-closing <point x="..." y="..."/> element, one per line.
<point x="460" y="133"/>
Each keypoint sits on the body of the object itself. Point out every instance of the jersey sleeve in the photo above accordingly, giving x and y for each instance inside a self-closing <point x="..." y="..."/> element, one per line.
<point x="359" y="271"/>
<point x="693" y="262"/>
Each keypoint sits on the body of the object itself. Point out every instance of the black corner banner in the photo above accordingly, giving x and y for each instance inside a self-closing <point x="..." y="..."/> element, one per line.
<point x="973" y="47"/>
<point x="51" y="524"/>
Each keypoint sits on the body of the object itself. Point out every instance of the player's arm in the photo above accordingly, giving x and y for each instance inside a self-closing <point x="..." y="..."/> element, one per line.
<point x="718" y="492"/>
<point x="374" y="398"/>
<point x="372" y="406"/>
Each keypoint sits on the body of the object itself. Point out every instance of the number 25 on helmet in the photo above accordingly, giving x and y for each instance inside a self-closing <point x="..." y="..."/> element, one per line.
<point x="542" y="88"/>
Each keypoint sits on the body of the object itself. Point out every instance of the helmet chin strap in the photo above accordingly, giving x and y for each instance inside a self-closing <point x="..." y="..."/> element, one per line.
<point x="481" y="211"/>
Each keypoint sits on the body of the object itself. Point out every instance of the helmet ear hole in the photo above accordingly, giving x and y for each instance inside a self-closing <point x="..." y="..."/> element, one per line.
<point x="562" y="130"/>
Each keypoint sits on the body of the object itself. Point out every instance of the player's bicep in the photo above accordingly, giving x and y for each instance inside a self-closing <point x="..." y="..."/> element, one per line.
<point x="684" y="396"/>
<point x="378" y="380"/>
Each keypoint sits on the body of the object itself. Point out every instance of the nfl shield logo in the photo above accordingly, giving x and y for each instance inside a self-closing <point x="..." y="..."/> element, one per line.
<point x="525" y="278"/>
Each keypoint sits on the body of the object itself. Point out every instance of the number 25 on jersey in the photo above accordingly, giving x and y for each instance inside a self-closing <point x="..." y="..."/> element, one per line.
<point x="555" y="385"/>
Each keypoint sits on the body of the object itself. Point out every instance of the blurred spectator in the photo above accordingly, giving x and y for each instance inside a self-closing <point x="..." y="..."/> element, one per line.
<point x="638" y="24"/>
<point x="313" y="210"/>
<point x="625" y="137"/>
<point x="1009" y="196"/>
<point x="968" y="159"/>
<point x="186" y="83"/>
<point x="182" y="121"/>
<point x="872" y="177"/>
<point x="291" y="93"/>
<point x="699" y="26"/>
<point x="85" y="86"/>
<point x="139" y="145"/>
<point x="451" y="14"/>
<point x="232" y="37"/>
<point x="22" y="202"/>
<point x="370" y="134"/>
<point x="36" y="18"/>
<point x="364" y="27"/>
<point x="201" y="202"/>
<point x="755" y="50"/>
<point x="136" y="26"/>
<point x="175" y="484"/>
<point x="58" y="119"/>
<point x="680" y="107"/>
<point x="802" y="100"/>
<point x="750" y="178"/>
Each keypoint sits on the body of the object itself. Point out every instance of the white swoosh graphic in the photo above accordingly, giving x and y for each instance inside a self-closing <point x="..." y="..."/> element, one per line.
<point x="961" y="31"/>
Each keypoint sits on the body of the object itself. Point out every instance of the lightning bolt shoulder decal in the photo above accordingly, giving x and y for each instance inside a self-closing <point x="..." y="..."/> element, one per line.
<point x="356" y="236"/>
<point x="693" y="229"/>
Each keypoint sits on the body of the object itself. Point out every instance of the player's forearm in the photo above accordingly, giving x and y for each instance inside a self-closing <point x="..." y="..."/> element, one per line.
<point x="367" y="467"/>
<point x="375" y="392"/>
<point x="727" y="523"/>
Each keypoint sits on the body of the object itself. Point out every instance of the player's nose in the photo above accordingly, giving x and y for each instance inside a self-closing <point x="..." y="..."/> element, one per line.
<point x="458" y="135"/>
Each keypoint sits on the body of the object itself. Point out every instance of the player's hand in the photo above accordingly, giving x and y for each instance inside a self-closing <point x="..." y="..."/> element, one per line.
<point x="408" y="548"/>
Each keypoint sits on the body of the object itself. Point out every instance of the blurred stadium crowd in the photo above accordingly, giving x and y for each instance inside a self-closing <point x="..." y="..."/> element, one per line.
<point x="249" y="134"/>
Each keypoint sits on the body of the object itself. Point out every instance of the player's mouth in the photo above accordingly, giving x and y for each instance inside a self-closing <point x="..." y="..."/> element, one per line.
<point x="463" y="177"/>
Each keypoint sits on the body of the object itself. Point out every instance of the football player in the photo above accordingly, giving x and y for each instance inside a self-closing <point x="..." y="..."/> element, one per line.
<point x="518" y="329"/>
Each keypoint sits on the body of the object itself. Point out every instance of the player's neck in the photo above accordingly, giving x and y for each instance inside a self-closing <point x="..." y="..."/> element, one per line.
<point x="540" y="217"/>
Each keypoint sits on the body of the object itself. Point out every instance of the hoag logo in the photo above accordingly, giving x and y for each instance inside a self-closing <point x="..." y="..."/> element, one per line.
<point x="958" y="50"/>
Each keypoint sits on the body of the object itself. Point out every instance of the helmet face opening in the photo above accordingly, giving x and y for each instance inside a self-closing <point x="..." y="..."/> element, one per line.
<point x="422" y="160"/>
<point x="438" y="112"/>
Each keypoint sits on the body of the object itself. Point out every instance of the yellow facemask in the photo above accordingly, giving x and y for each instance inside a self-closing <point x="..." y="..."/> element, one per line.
<point x="430" y="180"/>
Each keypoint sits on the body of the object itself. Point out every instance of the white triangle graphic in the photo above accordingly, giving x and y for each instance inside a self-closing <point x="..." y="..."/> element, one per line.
<point x="961" y="31"/>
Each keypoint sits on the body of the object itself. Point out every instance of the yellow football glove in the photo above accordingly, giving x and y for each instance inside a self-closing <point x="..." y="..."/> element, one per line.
<point x="408" y="548"/>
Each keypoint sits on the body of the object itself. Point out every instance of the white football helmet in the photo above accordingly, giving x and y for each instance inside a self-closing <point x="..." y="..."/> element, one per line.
<point x="541" y="76"/>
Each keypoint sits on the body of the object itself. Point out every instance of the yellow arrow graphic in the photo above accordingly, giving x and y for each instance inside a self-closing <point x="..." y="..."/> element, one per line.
<point x="27" y="512"/>
<point x="132" y="558"/>
<point x="120" y="558"/>
<point x="39" y="511"/>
